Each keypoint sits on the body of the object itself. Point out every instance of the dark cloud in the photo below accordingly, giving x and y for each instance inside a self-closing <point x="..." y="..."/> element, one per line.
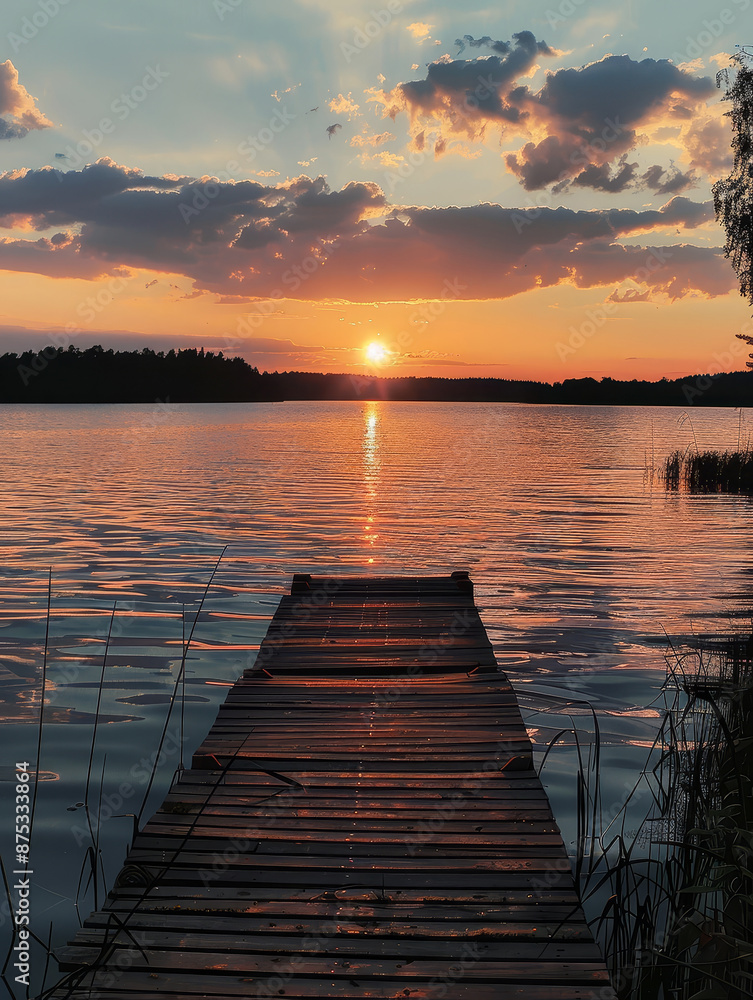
<point x="604" y="178"/>
<point x="466" y="93"/>
<point x="594" y="116"/>
<point x="12" y="130"/>
<point x="591" y="116"/>
<point x="269" y="345"/>
<point x="317" y="208"/>
<point x="615" y="88"/>
<point x="302" y="240"/>
<point x="486" y="42"/>
<point x="667" y="181"/>
<point x="687" y="213"/>
<point x="254" y="237"/>
<point x="51" y="197"/>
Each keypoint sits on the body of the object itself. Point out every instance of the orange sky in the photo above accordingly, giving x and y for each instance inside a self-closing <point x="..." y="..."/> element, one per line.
<point x="532" y="201"/>
<point x="555" y="333"/>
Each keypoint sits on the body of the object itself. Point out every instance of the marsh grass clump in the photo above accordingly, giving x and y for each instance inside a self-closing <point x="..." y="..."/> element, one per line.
<point x="671" y="903"/>
<point x="710" y="471"/>
<point x="92" y="875"/>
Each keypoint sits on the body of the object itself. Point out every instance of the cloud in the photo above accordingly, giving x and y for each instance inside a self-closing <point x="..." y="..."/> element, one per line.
<point x="667" y="182"/>
<point x="603" y="178"/>
<point x="12" y="130"/>
<point x="708" y="143"/>
<point x="300" y="239"/>
<point x="50" y="198"/>
<point x="18" y="109"/>
<point x="385" y="159"/>
<point x="420" y="30"/>
<point x="623" y="175"/>
<point x="578" y="126"/>
<point x="268" y="345"/>
<point x="466" y="94"/>
<point x="341" y="105"/>
<point x="371" y="140"/>
<point x="630" y="294"/>
<point x="278" y="94"/>
<point x="487" y="42"/>
<point x="21" y="338"/>
<point x="593" y="116"/>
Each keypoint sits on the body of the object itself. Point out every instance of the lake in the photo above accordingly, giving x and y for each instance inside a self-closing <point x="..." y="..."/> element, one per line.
<point x="583" y="567"/>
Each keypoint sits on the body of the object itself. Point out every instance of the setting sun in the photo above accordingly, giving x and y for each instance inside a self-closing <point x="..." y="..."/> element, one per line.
<point x="377" y="354"/>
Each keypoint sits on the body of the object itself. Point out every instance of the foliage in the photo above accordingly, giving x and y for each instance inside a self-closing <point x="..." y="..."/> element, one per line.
<point x="710" y="471"/>
<point x="95" y="375"/>
<point x="733" y="195"/>
<point x="671" y="901"/>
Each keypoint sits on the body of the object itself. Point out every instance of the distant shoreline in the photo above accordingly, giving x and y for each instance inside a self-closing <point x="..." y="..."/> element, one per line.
<point x="95" y="375"/>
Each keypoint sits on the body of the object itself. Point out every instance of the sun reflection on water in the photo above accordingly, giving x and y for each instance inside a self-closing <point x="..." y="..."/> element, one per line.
<point x="371" y="474"/>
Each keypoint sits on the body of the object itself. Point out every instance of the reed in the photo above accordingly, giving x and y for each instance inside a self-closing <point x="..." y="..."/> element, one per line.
<point x="671" y="904"/>
<point x="92" y="870"/>
<point x="710" y="471"/>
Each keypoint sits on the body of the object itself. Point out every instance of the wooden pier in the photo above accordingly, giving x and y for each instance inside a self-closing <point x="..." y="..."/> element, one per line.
<point x="362" y="820"/>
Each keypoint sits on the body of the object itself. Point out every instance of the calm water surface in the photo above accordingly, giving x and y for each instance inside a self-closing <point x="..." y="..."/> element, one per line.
<point x="582" y="564"/>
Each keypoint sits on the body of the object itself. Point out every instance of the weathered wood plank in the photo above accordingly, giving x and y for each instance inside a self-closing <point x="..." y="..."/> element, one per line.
<point x="361" y="821"/>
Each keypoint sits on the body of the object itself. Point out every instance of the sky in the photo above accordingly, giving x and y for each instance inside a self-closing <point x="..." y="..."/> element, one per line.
<point x="516" y="190"/>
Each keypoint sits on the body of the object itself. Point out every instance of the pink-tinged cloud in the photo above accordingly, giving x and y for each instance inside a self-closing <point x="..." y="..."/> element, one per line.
<point x="19" y="113"/>
<point x="302" y="240"/>
<point x="708" y="142"/>
<point x="579" y="126"/>
<point x="371" y="140"/>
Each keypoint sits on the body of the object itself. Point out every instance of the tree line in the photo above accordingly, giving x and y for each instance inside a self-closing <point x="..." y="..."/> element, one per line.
<point x="96" y="375"/>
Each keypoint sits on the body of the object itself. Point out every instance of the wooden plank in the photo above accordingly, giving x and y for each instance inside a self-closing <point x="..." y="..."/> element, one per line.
<point x="361" y="820"/>
<point x="177" y="986"/>
<point x="218" y="897"/>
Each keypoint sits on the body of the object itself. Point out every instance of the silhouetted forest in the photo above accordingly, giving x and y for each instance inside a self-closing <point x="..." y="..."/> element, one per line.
<point x="95" y="375"/>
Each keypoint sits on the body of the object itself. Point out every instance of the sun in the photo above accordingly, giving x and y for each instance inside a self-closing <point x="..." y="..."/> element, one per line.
<point x="377" y="354"/>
